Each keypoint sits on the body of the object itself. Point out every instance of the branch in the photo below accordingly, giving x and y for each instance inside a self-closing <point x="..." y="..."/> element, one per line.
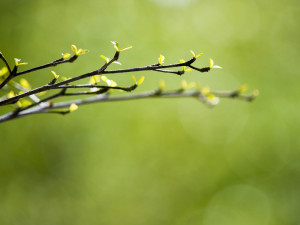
<point x="24" y="107"/>
<point x="49" y="107"/>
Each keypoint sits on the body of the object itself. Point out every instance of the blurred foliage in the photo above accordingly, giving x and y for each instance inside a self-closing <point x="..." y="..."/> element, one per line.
<point x="157" y="161"/>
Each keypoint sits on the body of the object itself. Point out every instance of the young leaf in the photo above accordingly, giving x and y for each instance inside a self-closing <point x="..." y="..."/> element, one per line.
<point x="182" y="61"/>
<point x="161" y="59"/>
<point x="184" y="85"/>
<point x="74" y="49"/>
<point x="25" y="84"/>
<point x="205" y="91"/>
<point x="116" y="45"/>
<point x="105" y="58"/>
<point x="134" y="80"/>
<point x="79" y="51"/>
<point x="17" y="62"/>
<point x="73" y="107"/>
<point x="140" y="81"/>
<point x="11" y="94"/>
<point x="196" y="56"/>
<point x="188" y="70"/>
<point x="116" y="62"/>
<point x="212" y="99"/>
<point x="23" y="103"/>
<point x="162" y="85"/>
<point x="211" y="64"/>
<point x="55" y="75"/>
<point x="126" y="48"/>
<point x="3" y="71"/>
<point x="242" y="89"/>
<point x="193" y="53"/>
<point x="94" y="79"/>
<point x="65" y="55"/>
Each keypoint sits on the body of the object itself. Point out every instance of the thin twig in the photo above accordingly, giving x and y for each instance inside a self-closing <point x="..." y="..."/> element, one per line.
<point x="47" y="107"/>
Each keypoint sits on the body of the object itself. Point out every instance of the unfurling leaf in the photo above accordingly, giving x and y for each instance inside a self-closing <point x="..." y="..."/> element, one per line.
<point x="126" y="48"/>
<point x="23" y="103"/>
<point x="205" y="91"/>
<point x="116" y="45"/>
<point x="116" y="62"/>
<point x="94" y="79"/>
<point x="182" y="61"/>
<point x="25" y="84"/>
<point x="66" y="55"/>
<point x="3" y="71"/>
<point x="17" y="62"/>
<point x="55" y="75"/>
<point x="184" y="85"/>
<point x="134" y="80"/>
<point x="196" y="56"/>
<point x="140" y="81"/>
<point x="11" y="94"/>
<point x="73" y="107"/>
<point x="188" y="70"/>
<point x="161" y="59"/>
<point x="78" y="51"/>
<point x="162" y="85"/>
<point x="105" y="58"/>
<point x="211" y="65"/>
<point x="109" y="82"/>
<point x="242" y="89"/>
<point x="212" y="99"/>
<point x="74" y="48"/>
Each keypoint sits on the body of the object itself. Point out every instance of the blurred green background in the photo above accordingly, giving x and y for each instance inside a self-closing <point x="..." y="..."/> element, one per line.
<point x="157" y="161"/>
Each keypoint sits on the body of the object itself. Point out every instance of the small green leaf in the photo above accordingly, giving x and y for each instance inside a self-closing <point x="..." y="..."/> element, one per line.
<point x="105" y="58"/>
<point x="11" y="94"/>
<point x="104" y="78"/>
<point x="182" y="61"/>
<point x="196" y="56"/>
<point x="140" y="81"/>
<point x="83" y="51"/>
<point x="212" y="99"/>
<point x="242" y="89"/>
<point x="78" y="51"/>
<point x="66" y="55"/>
<point x="134" y="80"/>
<point x="193" y="53"/>
<point x="116" y="45"/>
<point x="65" y="78"/>
<point x="73" y="107"/>
<point x="211" y="64"/>
<point x="94" y="79"/>
<point x="74" y="49"/>
<point x="17" y="62"/>
<point x="55" y="75"/>
<point x="188" y="70"/>
<point x="23" y="103"/>
<point x="3" y="71"/>
<point x="161" y="59"/>
<point x="25" y="84"/>
<point x="205" y="90"/>
<point x="162" y="85"/>
<point x="126" y="48"/>
<point x="116" y="62"/>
